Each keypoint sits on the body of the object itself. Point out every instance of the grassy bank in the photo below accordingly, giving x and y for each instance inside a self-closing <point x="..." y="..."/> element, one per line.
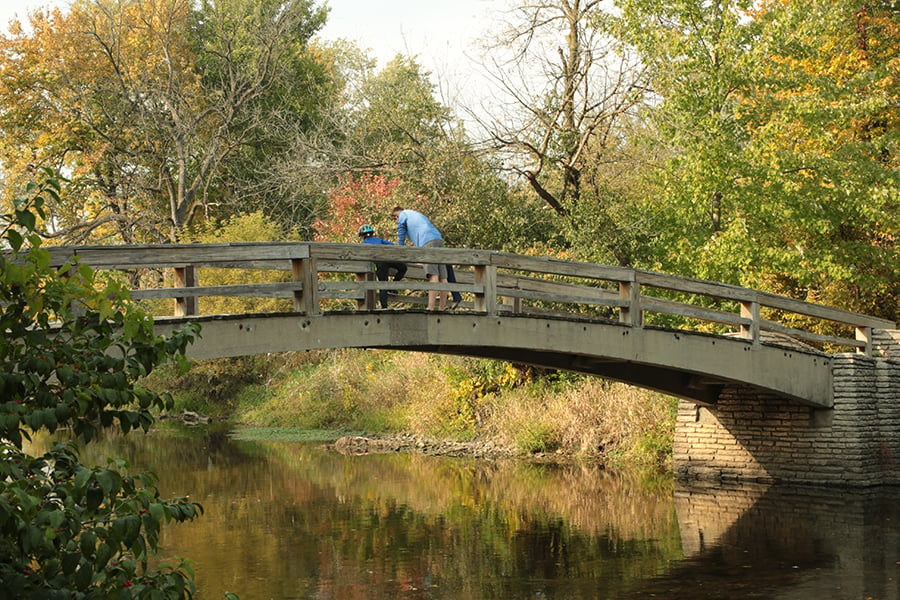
<point x="435" y="396"/>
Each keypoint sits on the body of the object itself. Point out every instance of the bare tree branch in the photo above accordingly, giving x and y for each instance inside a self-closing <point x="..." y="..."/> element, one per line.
<point x="564" y="87"/>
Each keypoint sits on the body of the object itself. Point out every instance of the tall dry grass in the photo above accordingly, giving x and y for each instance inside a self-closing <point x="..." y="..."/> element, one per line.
<point x="464" y="399"/>
<point x="586" y="416"/>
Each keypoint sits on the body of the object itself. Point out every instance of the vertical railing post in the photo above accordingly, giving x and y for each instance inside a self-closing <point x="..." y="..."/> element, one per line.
<point x="185" y="277"/>
<point x="864" y="334"/>
<point x="368" y="300"/>
<point x="486" y="300"/>
<point x="306" y="299"/>
<point x="750" y="310"/>
<point x="631" y="313"/>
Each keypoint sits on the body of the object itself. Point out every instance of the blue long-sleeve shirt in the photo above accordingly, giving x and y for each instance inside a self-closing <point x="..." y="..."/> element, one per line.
<point x="415" y="226"/>
<point x="376" y="240"/>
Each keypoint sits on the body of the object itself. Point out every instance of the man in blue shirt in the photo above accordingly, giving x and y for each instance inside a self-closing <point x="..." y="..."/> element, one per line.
<point x="416" y="227"/>
<point x="382" y="269"/>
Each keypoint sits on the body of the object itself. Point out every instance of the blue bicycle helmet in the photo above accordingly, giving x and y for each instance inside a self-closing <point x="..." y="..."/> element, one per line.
<point x="366" y="231"/>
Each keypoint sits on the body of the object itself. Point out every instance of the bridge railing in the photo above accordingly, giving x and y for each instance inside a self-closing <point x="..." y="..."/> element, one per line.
<point x="492" y="283"/>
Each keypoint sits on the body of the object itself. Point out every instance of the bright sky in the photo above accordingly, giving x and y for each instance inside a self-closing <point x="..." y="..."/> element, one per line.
<point x="437" y="30"/>
<point x="10" y="8"/>
<point x="441" y="34"/>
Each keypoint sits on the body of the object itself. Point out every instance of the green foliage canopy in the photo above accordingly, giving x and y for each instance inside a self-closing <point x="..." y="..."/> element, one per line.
<point x="778" y="126"/>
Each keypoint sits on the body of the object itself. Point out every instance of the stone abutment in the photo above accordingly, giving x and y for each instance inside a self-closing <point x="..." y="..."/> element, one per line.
<point x="753" y="436"/>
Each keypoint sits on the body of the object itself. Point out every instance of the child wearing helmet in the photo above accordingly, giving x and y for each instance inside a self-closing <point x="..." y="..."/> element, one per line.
<point x="382" y="269"/>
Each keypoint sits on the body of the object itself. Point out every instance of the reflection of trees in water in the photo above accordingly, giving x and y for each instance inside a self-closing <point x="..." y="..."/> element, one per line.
<point x="292" y="520"/>
<point x="587" y="498"/>
<point x="175" y="452"/>
<point x="489" y="529"/>
<point x="283" y="515"/>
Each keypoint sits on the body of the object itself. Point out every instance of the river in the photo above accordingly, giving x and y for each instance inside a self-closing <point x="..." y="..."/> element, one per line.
<point x="293" y="520"/>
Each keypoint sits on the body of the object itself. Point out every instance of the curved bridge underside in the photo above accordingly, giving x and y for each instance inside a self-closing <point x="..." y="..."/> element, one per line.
<point x="688" y="365"/>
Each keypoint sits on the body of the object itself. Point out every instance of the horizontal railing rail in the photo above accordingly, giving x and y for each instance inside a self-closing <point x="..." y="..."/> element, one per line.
<point x="312" y="273"/>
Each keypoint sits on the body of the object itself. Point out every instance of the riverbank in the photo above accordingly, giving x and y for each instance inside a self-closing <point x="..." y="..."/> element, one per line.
<point x="360" y="445"/>
<point x="386" y="444"/>
<point x="365" y="443"/>
<point x="406" y="401"/>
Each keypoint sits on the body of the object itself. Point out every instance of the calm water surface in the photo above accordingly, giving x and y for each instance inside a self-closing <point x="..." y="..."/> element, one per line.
<point x="288" y="520"/>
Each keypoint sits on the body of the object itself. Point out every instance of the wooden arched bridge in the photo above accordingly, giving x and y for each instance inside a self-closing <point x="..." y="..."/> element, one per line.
<point x="681" y="336"/>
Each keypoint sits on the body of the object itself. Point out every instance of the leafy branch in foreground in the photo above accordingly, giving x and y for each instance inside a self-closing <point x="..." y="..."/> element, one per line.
<point x="73" y="351"/>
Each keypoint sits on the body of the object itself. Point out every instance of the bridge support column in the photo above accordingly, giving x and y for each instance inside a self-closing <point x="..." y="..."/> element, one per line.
<point x="752" y="436"/>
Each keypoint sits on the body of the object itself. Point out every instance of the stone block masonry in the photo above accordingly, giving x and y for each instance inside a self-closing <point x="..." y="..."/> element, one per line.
<point x="751" y="435"/>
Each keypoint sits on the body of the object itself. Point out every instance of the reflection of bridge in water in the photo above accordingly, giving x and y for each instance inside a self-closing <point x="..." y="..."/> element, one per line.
<point x="751" y="367"/>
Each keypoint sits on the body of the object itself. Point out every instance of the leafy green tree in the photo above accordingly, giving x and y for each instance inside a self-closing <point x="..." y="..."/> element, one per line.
<point x="317" y="159"/>
<point x="390" y="125"/>
<point x="695" y="54"/>
<point x="73" y="352"/>
<point x="823" y="111"/>
<point x="775" y="127"/>
<point x="398" y="117"/>
<point x="264" y="50"/>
